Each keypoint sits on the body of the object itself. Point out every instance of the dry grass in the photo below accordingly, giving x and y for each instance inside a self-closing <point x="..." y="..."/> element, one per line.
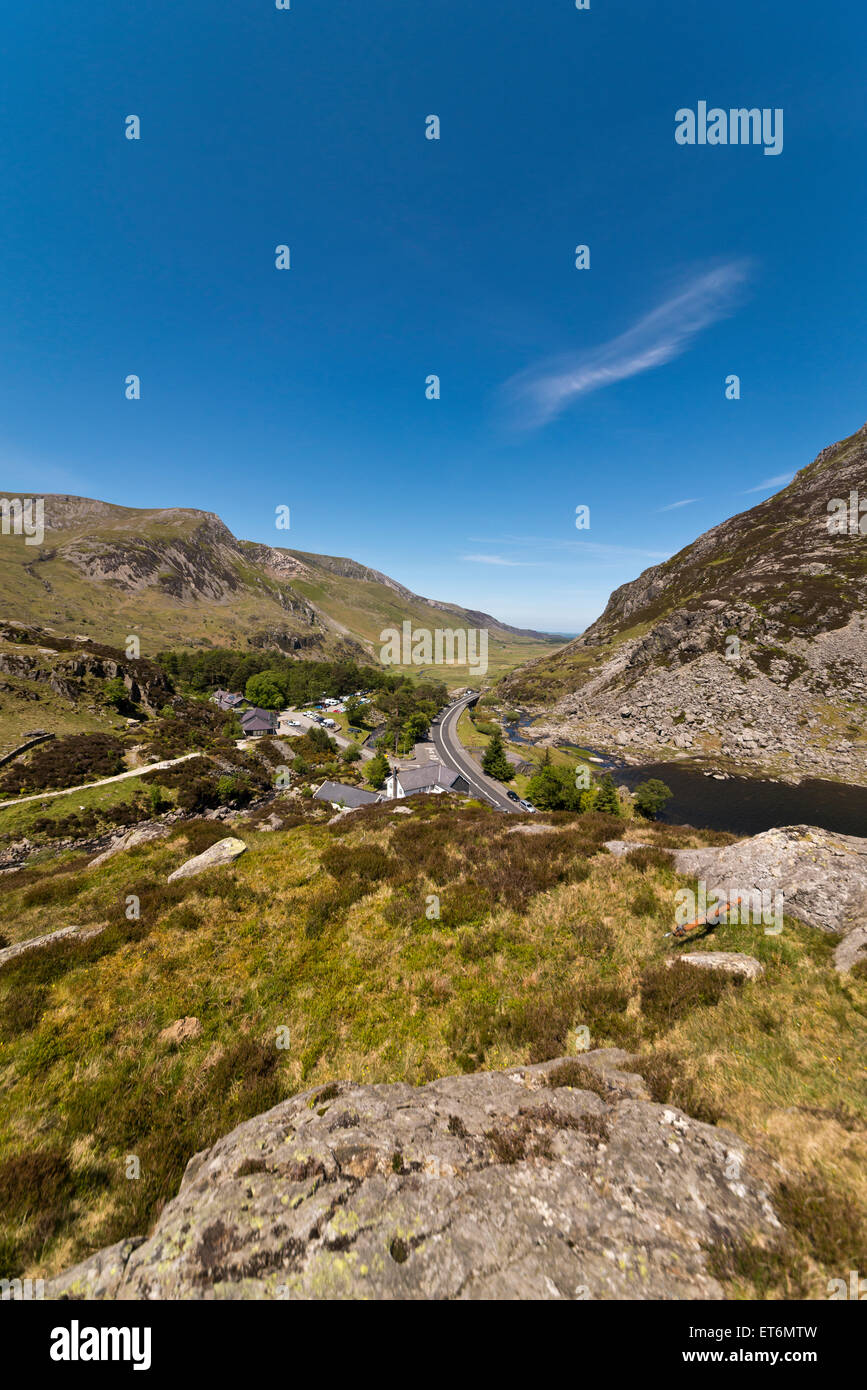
<point x="326" y="936"/>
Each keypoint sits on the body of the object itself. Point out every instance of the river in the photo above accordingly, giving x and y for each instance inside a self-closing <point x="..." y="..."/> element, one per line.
<point x="742" y="805"/>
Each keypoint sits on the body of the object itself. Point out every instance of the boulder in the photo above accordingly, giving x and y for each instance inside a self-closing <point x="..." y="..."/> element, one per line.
<point x="820" y="875"/>
<point x="735" y="962"/>
<point x="180" y="1030"/>
<point x="223" y="852"/>
<point x="851" y="951"/>
<point x="35" y="943"/>
<point x="496" y="1185"/>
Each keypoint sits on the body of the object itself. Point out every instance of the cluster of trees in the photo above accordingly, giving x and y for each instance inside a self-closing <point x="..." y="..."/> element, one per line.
<point x="376" y="771"/>
<point x="297" y="682"/>
<point x="408" y="711"/>
<point x="554" y="788"/>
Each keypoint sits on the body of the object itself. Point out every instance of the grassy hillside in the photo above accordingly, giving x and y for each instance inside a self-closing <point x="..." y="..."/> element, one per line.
<point x="178" y="577"/>
<point x="319" y="938"/>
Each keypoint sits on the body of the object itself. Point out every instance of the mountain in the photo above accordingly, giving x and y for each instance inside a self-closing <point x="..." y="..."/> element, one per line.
<point x="748" y="645"/>
<point x="179" y="577"/>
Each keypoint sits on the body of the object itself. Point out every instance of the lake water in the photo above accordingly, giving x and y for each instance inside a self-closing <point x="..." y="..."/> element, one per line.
<point x="742" y="805"/>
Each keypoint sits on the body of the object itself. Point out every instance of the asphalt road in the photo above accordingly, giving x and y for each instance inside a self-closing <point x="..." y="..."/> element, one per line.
<point x="456" y="757"/>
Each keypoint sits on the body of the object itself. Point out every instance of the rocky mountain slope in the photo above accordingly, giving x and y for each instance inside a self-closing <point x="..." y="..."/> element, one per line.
<point x="178" y="577"/>
<point x="750" y="645"/>
<point x="553" y="1181"/>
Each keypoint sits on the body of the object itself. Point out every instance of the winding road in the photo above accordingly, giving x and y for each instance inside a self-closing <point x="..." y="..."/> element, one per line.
<point x="452" y="752"/>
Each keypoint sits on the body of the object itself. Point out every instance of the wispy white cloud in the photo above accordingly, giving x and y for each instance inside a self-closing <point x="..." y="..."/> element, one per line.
<point x="540" y="393"/>
<point x="597" y="549"/>
<point x="497" y="560"/>
<point x="672" y="506"/>
<point x="778" y="481"/>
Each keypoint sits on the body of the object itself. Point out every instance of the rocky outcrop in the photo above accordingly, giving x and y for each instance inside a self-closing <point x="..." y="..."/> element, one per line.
<point x="79" y="675"/>
<point x="130" y="839"/>
<point x="505" y="1185"/>
<point x="820" y="876"/>
<point x="36" y="943"/>
<point x="732" y="962"/>
<point x="223" y="852"/>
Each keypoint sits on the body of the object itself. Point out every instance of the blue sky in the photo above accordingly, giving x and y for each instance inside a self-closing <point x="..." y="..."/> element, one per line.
<point x="560" y="387"/>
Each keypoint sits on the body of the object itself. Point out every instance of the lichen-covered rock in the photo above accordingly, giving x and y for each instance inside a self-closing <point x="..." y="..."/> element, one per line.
<point x="820" y="875"/>
<point x="493" y="1185"/>
<point x="223" y="852"/>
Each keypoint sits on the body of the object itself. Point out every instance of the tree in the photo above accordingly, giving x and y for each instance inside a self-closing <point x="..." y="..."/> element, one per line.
<point x="607" y="799"/>
<point x="318" y="739"/>
<point x="553" y="789"/>
<point x="231" y="789"/>
<point x="651" y="796"/>
<point x="266" y="690"/>
<point x="355" y="712"/>
<point x="377" y="770"/>
<point x="115" y="694"/>
<point x="494" y="762"/>
<point x="351" y="754"/>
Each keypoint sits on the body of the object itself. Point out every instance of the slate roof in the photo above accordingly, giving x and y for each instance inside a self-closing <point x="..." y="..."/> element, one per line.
<point x="350" y="796"/>
<point x="414" y="779"/>
<point x="264" y="719"/>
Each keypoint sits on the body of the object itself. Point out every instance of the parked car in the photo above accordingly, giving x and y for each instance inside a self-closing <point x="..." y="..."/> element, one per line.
<point x="527" y="805"/>
<point x="513" y="796"/>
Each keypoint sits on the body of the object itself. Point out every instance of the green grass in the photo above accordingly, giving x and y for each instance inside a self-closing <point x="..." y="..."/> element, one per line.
<point x="17" y="820"/>
<point x="324" y="932"/>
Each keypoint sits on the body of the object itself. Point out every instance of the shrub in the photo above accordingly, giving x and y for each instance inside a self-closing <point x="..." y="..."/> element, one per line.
<point x="645" y="903"/>
<point x="648" y="857"/>
<point x="669" y="993"/>
<point x="66" y="761"/>
<point x="368" y="863"/>
<point x="464" y="902"/>
<point x="651" y="796"/>
<point x="539" y="1023"/>
<point x="669" y="1082"/>
<point x="199" y="835"/>
<point x="825" y="1220"/>
<point x="579" y="1076"/>
<point x="21" y="1010"/>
